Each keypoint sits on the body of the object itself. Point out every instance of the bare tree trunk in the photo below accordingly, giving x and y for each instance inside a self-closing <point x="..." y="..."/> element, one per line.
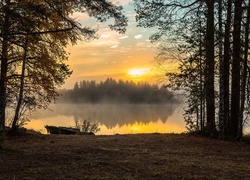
<point x="225" y="72"/>
<point x="209" y="87"/>
<point x="201" y="73"/>
<point x="235" y="96"/>
<point x="224" y="76"/>
<point x="244" y="75"/>
<point x="20" y="98"/>
<point x="4" y="65"/>
<point x="221" y="61"/>
<point x="201" y="86"/>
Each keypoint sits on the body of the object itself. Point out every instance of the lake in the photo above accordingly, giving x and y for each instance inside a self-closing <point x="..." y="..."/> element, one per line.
<point x="113" y="118"/>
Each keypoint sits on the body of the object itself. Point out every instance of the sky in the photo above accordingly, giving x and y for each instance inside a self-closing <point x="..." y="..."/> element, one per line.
<point x="128" y="56"/>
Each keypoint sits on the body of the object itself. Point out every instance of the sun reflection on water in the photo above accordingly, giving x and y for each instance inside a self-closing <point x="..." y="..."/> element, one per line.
<point x="137" y="128"/>
<point x="114" y="119"/>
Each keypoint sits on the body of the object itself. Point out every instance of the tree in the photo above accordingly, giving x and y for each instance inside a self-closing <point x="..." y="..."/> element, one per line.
<point x="244" y="74"/>
<point x="209" y="70"/>
<point x="235" y="87"/>
<point x="224" y="75"/>
<point x="111" y="91"/>
<point x="185" y="25"/>
<point x="21" y="89"/>
<point x="172" y="19"/>
<point x="43" y="60"/>
<point x="5" y="18"/>
<point x="221" y="64"/>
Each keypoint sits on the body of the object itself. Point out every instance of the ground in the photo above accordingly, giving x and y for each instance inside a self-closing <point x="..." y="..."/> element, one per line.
<point x="141" y="156"/>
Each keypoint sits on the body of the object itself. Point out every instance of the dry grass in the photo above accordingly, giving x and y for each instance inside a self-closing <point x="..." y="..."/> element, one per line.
<point x="145" y="156"/>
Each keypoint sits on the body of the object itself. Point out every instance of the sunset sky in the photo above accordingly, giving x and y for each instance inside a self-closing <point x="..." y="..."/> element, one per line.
<point x="126" y="56"/>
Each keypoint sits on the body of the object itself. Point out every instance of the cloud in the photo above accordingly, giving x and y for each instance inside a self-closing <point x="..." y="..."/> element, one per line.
<point x="105" y="36"/>
<point x="103" y="55"/>
<point x="123" y="37"/>
<point x="115" y="46"/>
<point x="139" y="36"/>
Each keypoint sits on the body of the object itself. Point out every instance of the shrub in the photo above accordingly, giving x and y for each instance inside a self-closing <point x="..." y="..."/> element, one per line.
<point x="87" y="127"/>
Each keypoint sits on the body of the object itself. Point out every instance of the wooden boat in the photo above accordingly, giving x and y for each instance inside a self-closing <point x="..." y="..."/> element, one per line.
<point x="61" y="130"/>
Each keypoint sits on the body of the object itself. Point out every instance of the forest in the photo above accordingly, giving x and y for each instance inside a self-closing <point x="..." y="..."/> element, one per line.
<point x="112" y="91"/>
<point x="210" y="40"/>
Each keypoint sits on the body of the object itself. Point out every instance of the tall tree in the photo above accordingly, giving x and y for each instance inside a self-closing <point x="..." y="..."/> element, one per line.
<point x="5" y="16"/>
<point x="44" y="61"/>
<point x="221" y="64"/>
<point x="21" y="89"/>
<point x="224" y="73"/>
<point x="235" y="87"/>
<point x="223" y="42"/>
<point x="244" y="74"/>
<point x="182" y="23"/>
<point x="209" y="75"/>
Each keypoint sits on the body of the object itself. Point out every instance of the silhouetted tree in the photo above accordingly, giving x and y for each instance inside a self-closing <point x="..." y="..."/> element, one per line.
<point x="209" y="68"/>
<point x="244" y="74"/>
<point x="172" y="20"/>
<point x="50" y="27"/>
<point x="224" y="75"/>
<point x="183" y="26"/>
<point x="235" y="88"/>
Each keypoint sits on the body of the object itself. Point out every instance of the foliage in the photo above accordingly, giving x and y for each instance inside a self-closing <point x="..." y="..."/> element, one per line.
<point x="116" y="91"/>
<point x="33" y="38"/>
<point x="182" y="42"/>
<point x="213" y="57"/>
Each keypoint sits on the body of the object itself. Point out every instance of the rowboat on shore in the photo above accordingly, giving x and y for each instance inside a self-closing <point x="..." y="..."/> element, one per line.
<point x="61" y="130"/>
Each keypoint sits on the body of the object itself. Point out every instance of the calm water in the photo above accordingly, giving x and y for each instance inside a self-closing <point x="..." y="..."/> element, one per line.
<point x="114" y="118"/>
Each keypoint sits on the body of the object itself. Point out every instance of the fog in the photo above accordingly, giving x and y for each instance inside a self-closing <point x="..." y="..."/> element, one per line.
<point x="111" y="115"/>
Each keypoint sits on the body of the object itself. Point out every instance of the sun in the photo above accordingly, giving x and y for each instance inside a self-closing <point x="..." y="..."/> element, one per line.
<point x="138" y="72"/>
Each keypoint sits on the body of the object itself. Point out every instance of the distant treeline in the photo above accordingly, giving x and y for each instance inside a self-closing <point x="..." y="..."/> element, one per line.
<point x="116" y="91"/>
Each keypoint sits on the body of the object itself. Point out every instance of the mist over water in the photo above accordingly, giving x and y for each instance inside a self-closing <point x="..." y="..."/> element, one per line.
<point x="114" y="117"/>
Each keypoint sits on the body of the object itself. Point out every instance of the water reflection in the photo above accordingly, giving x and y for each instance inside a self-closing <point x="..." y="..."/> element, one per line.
<point x="114" y="118"/>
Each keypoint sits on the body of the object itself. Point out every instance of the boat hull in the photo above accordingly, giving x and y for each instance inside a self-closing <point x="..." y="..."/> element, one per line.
<point x="61" y="130"/>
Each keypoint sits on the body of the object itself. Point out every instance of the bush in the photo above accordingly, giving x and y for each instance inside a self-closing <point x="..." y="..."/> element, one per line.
<point x="87" y="127"/>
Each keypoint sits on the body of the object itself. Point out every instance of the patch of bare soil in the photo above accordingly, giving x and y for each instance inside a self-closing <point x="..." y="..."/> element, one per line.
<point x="142" y="156"/>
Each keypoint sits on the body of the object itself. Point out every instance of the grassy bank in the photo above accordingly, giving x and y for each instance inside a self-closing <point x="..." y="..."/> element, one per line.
<point x="142" y="156"/>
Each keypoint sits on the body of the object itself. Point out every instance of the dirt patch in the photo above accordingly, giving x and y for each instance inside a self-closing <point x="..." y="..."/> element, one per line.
<point x="142" y="156"/>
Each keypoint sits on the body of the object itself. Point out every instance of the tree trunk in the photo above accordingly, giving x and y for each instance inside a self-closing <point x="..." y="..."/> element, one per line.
<point x="4" y="65"/>
<point x="221" y="62"/>
<point x="224" y="72"/>
<point x="209" y="87"/>
<point x="20" y="98"/>
<point x="201" y="74"/>
<point x="244" y="75"/>
<point x="235" y="89"/>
